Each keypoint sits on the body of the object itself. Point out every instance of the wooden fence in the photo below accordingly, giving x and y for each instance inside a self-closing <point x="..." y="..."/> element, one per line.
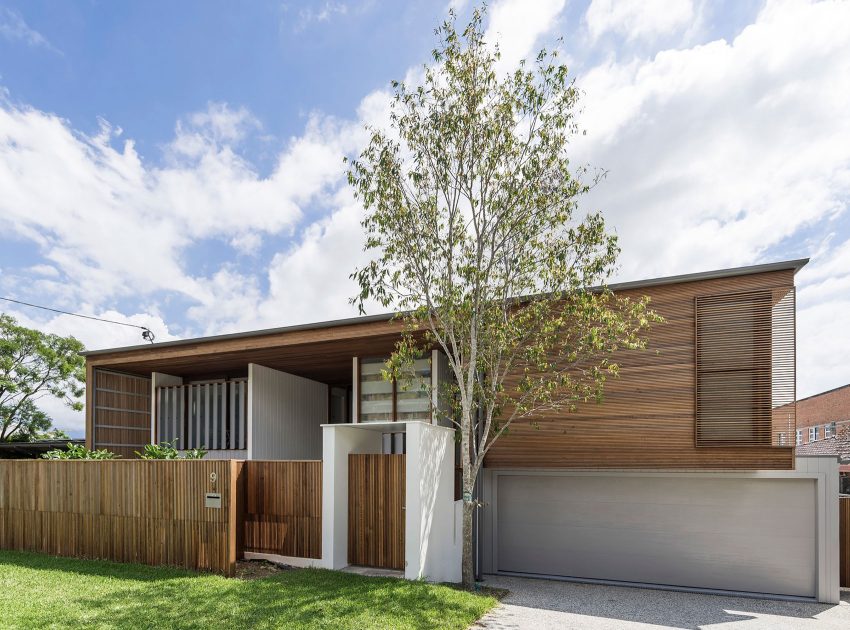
<point x="283" y="508"/>
<point x="844" y="544"/>
<point x="152" y="512"/>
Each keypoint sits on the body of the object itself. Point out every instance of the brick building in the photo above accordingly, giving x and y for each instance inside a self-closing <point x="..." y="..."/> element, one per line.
<point x="823" y="428"/>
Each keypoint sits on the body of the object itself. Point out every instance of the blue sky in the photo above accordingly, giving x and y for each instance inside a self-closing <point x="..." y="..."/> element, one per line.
<point x="179" y="165"/>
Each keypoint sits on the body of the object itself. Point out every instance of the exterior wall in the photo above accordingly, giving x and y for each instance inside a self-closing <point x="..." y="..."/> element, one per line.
<point x="648" y="415"/>
<point x="821" y="470"/>
<point x="432" y="517"/>
<point x="822" y="409"/>
<point x="433" y="541"/>
<point x="285" y="414"/>
<point x="338" y="441"/>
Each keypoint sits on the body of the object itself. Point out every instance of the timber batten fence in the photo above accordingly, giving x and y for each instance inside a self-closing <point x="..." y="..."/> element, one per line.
<point x="150" y="512"/>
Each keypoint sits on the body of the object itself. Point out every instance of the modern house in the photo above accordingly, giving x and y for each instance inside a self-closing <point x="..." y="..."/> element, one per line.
<point x="685" y="476"/>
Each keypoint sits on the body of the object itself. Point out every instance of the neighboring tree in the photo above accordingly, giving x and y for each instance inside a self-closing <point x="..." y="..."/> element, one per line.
<point x="471" y="218"/>
<point x="78" y="451"/>
<point x="34" y="364"/>
<point x="168" y="450"/>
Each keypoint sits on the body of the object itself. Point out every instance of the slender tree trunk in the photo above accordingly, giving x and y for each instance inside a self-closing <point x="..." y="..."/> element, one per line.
<point x="467" y="570"/>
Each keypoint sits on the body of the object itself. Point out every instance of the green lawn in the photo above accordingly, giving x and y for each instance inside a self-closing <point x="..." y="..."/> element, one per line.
<point x="43" y="591"/>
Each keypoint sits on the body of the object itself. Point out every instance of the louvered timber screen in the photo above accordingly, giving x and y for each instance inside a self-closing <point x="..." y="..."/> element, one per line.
<point x="745" y="369"/>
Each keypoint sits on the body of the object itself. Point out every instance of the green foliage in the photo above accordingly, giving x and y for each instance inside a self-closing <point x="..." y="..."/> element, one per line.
<point x="41" y="591"/>
<point x="477" y="242"/>
<point x="168" y="450"/>
<point x="78" y="451"/>
<point x="34" y="364"/>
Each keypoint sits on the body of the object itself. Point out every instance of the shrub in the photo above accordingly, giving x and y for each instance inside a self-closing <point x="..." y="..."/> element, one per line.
<point x="78" y="451"/>
<point x="168" y="450"/>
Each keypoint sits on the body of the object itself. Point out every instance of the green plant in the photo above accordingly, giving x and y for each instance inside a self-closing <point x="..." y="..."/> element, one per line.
<point x="168" y="450"/>
<point x="78" y="451"/>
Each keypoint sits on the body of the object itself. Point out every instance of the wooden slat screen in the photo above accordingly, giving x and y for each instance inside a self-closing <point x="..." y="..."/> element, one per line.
<point x="122" y="412"/>
<point x="152" y="512"/>
<point x="283" y="508"/>
<point x="745" y="368"/>
<point x="844" y="542"/>
<point x="376" y="496"/>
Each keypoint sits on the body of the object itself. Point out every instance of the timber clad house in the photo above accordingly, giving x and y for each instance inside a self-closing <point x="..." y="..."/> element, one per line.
<point x="685" y="476"/>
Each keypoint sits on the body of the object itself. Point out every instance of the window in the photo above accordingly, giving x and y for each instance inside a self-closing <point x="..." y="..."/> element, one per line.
<point x="388" y="401"/>
<point x="733" y="369"/>
<point x="799" y="438"/>
<point x="829" y="430"/>
<point x="813" y="434"/>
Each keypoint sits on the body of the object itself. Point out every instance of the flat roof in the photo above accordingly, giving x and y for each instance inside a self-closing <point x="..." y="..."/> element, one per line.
<point x="794" y="265"/>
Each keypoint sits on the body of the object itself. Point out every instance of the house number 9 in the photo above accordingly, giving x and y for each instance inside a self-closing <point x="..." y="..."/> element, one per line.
<point x="213" y="477"/>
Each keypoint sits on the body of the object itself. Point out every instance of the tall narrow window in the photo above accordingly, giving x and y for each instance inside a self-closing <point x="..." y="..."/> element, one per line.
<point x="376" y="393"/>
<point x="733" y="369"/>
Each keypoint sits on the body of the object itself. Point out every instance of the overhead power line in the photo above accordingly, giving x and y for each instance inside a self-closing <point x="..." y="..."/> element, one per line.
<point x="147" y="334"/>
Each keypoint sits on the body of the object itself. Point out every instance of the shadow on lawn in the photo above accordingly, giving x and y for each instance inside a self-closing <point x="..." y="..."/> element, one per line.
<point x="306" y="598"/>
<point x="132" y="596"/>
<point x="97" y="568"/>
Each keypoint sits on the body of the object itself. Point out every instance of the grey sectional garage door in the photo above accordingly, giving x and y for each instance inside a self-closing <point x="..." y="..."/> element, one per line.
<point x="740" y="534"/>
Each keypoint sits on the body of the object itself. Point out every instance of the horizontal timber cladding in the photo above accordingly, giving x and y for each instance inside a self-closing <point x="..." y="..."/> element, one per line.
<point x="122" y="412"/>
<point x="151" y="512"/>
<point x="283" y="508"/>
<point x="648" y="416"/>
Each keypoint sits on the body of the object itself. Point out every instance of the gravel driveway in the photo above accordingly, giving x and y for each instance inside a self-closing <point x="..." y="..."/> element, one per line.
<point x="545" y="604"/>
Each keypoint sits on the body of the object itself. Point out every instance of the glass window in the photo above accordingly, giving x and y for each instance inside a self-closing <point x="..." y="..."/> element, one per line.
<point x="413" y="393"/>
<point x="376" y="393"/>
<point x="829" y="430"/>
<point x="813" y="434"/>
<point x="799" y="437"/>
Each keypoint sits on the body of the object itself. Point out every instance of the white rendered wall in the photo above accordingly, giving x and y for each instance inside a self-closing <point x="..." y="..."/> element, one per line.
<point x="339" y="440"/>
<point x="285" y="414"/>
<point x="432" y="535"/>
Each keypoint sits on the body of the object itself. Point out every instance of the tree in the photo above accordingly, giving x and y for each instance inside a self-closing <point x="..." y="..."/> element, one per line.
<point x="471" y="220"/>
<point x="34" y="364"/>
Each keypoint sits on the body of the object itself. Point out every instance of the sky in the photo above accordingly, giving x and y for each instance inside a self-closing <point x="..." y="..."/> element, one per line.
<point x="179" y="165"/>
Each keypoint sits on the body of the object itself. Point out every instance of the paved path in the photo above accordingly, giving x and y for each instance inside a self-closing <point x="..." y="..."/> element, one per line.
<point x="549" y="604"/>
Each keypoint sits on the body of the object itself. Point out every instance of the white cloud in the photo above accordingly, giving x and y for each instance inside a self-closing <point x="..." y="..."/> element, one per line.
<point x="517" y="26"/>
<point x="638" y="19"/>
<point x="321" y="12"/>
<point x="14" y="28"/>
<point x="724" y="153"/>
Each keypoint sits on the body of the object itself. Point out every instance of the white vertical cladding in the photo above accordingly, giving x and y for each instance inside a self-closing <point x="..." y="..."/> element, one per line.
<point x="338" y="441"/>
<point x="158" y="379"/>
<point x="432" y="546"/>
<point x="287" y="412"/>
<point x="355" y="390"/>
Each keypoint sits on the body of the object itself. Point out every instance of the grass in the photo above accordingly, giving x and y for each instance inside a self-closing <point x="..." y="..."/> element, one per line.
<point x="44" y="591"/>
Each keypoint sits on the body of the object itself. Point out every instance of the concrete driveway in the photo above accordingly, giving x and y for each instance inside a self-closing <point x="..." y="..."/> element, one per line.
<point x="545" y="604"/>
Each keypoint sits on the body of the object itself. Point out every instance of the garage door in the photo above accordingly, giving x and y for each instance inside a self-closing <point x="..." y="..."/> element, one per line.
<point x="740" y="534"/>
